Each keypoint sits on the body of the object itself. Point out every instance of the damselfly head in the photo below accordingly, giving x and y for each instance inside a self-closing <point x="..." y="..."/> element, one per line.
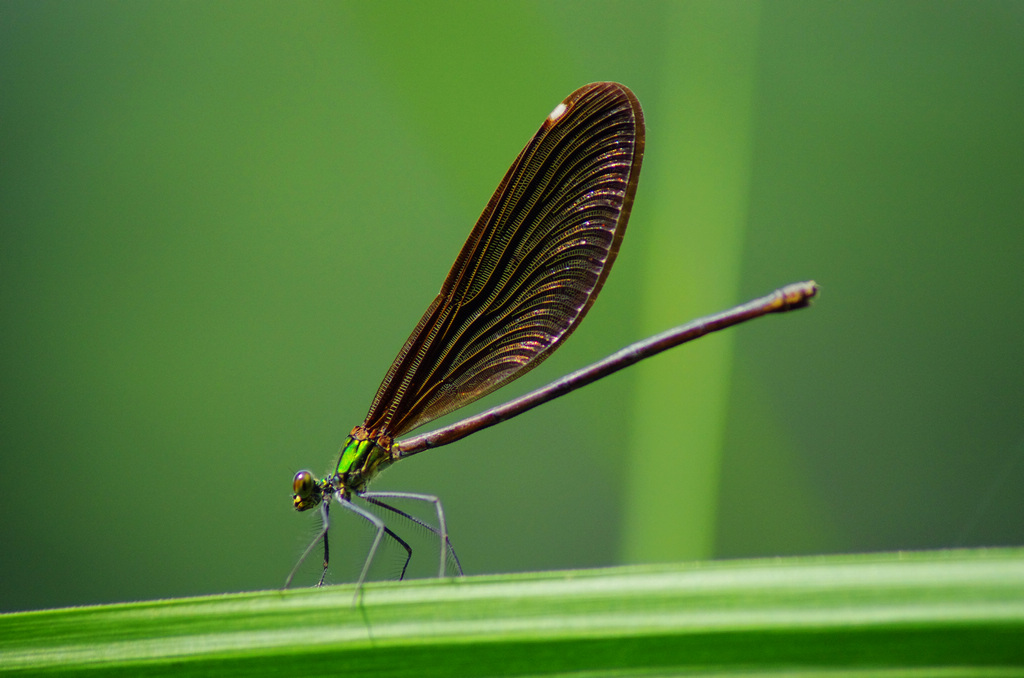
<point x="308" y="493"/>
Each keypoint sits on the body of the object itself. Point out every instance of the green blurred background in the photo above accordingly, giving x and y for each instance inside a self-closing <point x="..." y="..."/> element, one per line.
<point x="221" y="220"/>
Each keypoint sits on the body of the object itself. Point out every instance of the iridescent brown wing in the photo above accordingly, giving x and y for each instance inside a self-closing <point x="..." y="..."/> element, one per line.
<point x="532" y="266"/>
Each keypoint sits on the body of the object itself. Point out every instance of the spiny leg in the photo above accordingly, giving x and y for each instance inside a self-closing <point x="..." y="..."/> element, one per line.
<point x="442" y="526"/>
<point x="425" y="525"/>
<point x="381" y="529"/>
<point x="322" y="535"/>
<point x="327" y="550"/>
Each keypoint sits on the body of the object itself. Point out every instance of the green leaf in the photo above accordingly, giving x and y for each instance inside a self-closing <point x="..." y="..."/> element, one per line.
<point x="947" y="613"/>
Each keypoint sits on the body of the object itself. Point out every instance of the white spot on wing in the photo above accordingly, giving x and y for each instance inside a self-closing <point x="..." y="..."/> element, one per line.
<point x="557" y="113"/>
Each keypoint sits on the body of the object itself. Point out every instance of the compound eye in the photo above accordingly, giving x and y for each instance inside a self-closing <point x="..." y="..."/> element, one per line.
<point x="303" y="484"/>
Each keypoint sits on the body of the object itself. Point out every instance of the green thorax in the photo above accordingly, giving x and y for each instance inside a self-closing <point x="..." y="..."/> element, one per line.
<point x="363" y="456"/>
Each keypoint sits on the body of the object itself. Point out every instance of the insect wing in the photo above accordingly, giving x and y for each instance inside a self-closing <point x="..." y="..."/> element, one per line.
<point x="532" y="265"/>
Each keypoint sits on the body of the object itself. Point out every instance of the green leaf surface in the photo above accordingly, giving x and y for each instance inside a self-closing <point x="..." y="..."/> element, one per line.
<point x="946" y="613"/>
